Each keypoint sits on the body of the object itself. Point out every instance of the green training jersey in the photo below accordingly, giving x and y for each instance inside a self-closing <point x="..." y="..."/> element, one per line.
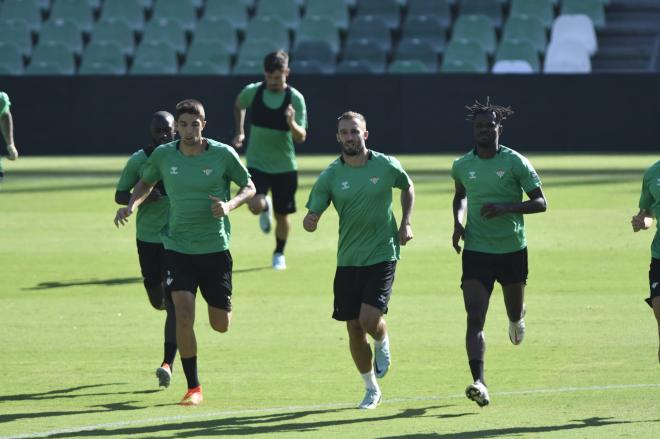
<point x="271" y="150"/>
<point x="500" y="179"/>
<point x="189" y="181"/>
<point x="650" y="201"/>
<point x="362" y="196"/>
<point x="4" y="103"/>
<point x="152" y="215"/>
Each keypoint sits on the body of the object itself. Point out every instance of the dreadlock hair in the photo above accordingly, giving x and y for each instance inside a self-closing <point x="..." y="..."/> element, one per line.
<point x="501" y="113"/>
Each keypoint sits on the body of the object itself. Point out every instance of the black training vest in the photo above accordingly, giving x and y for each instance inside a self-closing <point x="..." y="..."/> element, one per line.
<point x="159" y="185"/>
<point x="265" y="117"/>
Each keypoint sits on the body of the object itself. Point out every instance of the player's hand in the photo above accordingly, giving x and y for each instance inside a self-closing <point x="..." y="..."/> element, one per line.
<point x="238" y="140"/>
<point x="122" y="215"/>
<point x="405" y="234"/>
<point x="219" y="208"/>
<point x="155" y="195"/>
<point x="310" y="221"/>
<point x="12" y="152"/>
<point x="459" y="233"/>
<point x="290" y="114"/>
<point x="641" y="222"/>
<point x="491" y="210"/>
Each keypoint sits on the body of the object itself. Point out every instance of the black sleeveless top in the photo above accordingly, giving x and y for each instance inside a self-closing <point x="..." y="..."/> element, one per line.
<point x="265" y="117"/>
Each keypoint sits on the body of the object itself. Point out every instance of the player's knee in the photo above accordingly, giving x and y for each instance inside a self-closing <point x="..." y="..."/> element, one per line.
<point x="185" y="318"/>
<point x="221" y="326"/>
<point x="369" y="323"/>
<point x="354" y="328"/>
<point x="475" y="322"/>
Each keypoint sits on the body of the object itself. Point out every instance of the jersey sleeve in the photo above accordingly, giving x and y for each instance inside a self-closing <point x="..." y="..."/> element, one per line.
<point x="401" y="178"/>
<point x="235" y="169"/>
<point x="320" y="196"/>
<point x="527" y="176"/>
<point x="454" y="171"/>
<point x="129" y="175"/>
<point x="151" y="172"/>
<point x="298" y="102"/>
<point x="246" y="96"/>
<point x="646" y="198"/>
<point x="4" y="103"/>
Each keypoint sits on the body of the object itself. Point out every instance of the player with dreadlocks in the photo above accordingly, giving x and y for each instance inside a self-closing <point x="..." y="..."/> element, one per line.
<point x="492" y="177"/>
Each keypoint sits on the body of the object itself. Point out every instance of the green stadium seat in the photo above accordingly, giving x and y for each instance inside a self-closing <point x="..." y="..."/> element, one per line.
<point x="388" y="10"/>
<point x="526" y="28"/>
<point x="315" y="28"/>
<point x="408" y="66"/>
<point x="203" y="68"/>
<point x="368" y="52"/>
<point x="317" y="52"/>
<point x="288" y="11"/>
<point x="477" y="28"/>
<point x="48" y="68"/>
<point x="102" y="67"/>
<point x="104" y="52"/>
<point x="16" y="32"/>
<point x="247" y="3"/>
<point x="541" y="9"/>
<point x="418" y="50"/>
<point x="488" y="8"/>
<point x="207" y="52"/>
<point x="248" y="67"/>
<point x="26" y="10"/>
<point x="593" y="9"/>
<point x="155" y="55"/>
<point x="471" y="54"/>
<point x="62" y="31"/>
<point x="427" y="28"/>
<point x="153" y="68"/>
<point x="304" y="67"/>
<point x="77" y="11"/>
<point x="355" y="67"/>
<point x="116" y="31"/>
<point x="218" y="31"/>
<point x="256" y="50"/>
<point x="182" y="11"/>
<point x="459" y="66"/>
<point x="164" y="30"/>
<point x="234" y="11"/>
<point x="440" y="10"/>
<point x="334" y="10"/>
<point x="512" y="50"/>
<point x="11" y="59"/>
<point x="49" y="56"/>
<point x="372" y="28"/>
<point x="130" y="11"/>
<point x="268" y="29"/>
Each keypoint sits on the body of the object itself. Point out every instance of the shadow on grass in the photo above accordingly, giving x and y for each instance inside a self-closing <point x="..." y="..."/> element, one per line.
<point x="103" y="408"/>
<point x="77" y="283"/>
<point x="53" y="394"/>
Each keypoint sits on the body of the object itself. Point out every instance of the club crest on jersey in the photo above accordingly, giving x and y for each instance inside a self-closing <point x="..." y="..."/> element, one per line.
<point x="174" y="170"/>
<point x="500" y="173"/>
<point x="472" y="175"/>
<point x="374" y="180"/>
<point x="345" y="185"/>
<point x="207" y="171"/>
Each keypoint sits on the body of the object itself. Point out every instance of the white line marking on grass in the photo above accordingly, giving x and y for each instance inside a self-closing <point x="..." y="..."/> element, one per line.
<point x="314" y="407"/>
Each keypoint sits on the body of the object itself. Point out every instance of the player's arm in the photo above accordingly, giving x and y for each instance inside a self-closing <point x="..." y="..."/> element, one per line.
<point x="458" y="210"/>
<point x="124" y="197"/>
<point x="7" y="128"/>
<point x="642" y="221"/>
<point x="140" y="193"/>
<point x="221" y="208"/>
<point x="535" y="204"/>
<point x="239" y="125"/>
<point x="298" y="133"/>
<point x="407" y="203"/>
<point x="311" y="220"/>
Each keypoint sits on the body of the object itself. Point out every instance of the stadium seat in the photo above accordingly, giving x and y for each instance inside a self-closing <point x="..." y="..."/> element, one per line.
<point x="512" y="66"/>
<point x="315" y="28"/>
<point x="488" y="8"/>
<point x="355" y="67"/>
<point x="426" y="28"/>
<point x="270" y="29"/>
<point x="203" y="53"/>
<point x="477" y="28"/>
<point x="116" y="31"/>
<point x="248" y="67"/>
<point x="459" y="66"/>
<point x="234" y="11"/>
<point x="372" y="28"/>
<point x="575" y="28"/>
<point x="62" y="31"/>
<point x="288" y="11"/>
<point x="526" y="28"/>
<point x="101" y="68"/>
<point x="11" y="59"/>
<point x="368" y="52"/>
<point x="513" y="50"/>
<point x="202" y="67"/>
<point x="388" y="10"/>
<point x="49" y="56"/>
<point x="153" y="68"/>
<point x="418" y="50"/>
<point x="541" y="9"/>
<point x="469" y="54"/>
<point x="16" y="32"/>
<point x="104" y="52"/>
<point x="129" y="11"/>
<point x="26" y="10"/>
<point x="77" y="11"/>
<point x="151" y="57"/>
<point x="440" y="10"/>
<point x="317" y="52"/>
<point x="594" y="9"/>
<point x="182" y="11"/>
<point x="407" y="66"/>
<point x="48" y="68"/>
<point x="334" y="10"/>
<point x="304" y="67"/>
<point x="566" y="57"/>
<point x="256" y="50"/>
<point x="166" y="31"/>
<point x="218" y="31"/>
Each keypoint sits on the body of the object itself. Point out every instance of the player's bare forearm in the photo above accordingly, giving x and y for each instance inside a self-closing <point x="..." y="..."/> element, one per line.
<point x="239" y="123"/>
<point x="243" y="194"/>
<point x="140" y="193"/>
<point x="458" y="208"/>
<point x="7" y="128"/>
<point x="298" y="133"/>
<point x="407" y="204"/>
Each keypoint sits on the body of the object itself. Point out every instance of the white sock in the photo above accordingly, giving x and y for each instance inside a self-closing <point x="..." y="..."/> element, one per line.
<point x="385" y="342"/>
<point x="370" y="380"/>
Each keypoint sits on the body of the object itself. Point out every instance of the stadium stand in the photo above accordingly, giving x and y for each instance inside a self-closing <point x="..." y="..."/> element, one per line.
<point x="287" y="11"/>
<point x="335" y="10"/>
<point x="50" y="57"/>
<point x="388" y="10"/>
<point x="317" y="28"/>
<point x="577" y="28"/>
<point x="218" y="31"/>
<point x="438" y="10"/>
<point x="427" y="28"/>
<point x="11" y="59"/>
<point x="415" y="51"/>
<point x="518" y="50"/>
<point x="314" y="55"/>
<point x="103" y="57"/>
<point x="65" y="32"/>
<point x="234" y="11"/>
<point x="166" y="31"/>
<point x="488" y="8"/>
<point x="77" y="11"/>
<point x="181" y="11"/>
<point x="367" y="52"/>
<point x="115" y="31"/>
<point x="477" y="28"/>
<point x="129" y="11"/>
<point x="28" y="11"/>
<point x="16" y="33"/>
<point x="526" y="28"/>
<point x="468" y="55"/>
<point x="267" y="28"/>
<point x="567" y="57"/>
<point x="372" y="28"/>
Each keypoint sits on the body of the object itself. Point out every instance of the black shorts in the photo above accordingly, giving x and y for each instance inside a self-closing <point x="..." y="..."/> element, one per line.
<point x="211" y="272"/>
<point x="282" y="186"/>
<point x="506" y="268"/>
<point x="151" y="255"/>
<point x="654" y="281"/>
<point x="354" y="286"/>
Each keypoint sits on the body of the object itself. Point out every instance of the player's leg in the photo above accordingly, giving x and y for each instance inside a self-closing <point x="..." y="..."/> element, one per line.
<point x="656" y="311"/>
<point x="215" y="284"/>
<point x="512" y="273"/>
<point x="654" y="299"/>
<point x="284" y="187"/>
<point x="261" y="204"/>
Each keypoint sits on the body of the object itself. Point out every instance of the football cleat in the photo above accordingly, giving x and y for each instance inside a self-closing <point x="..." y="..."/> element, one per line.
<point x="478" y="393"/>
<point x="371" y="399"/>
<point x="279" y="262"/>
<point x="192" y="397"/>
<point x="382" y="358"/>
<point x="517" y="329"/>
<point x="266" y="217"/>
<point x="164" y="375"/>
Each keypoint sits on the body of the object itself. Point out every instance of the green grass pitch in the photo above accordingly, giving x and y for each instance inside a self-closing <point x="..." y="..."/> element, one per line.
<point x="80" y="342"/>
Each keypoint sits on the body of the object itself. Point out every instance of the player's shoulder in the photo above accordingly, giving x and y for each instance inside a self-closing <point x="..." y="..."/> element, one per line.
<point x="512" y="155"/>
<point x="164" y="149"/>
<point x="4" y="97"/>
<point x="219" y="147"/>
<point x="332" y="168"/>
<point x="653" y="170"/>
<point x="296" y="94"/>
<point x="383" y="158"/>
<point x="466" y="158"/>
<point x="138" y="156"/>
<point x="253" y="86"/>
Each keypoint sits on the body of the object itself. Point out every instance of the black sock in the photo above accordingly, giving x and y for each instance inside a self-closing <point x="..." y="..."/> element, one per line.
<point x="477" y="369"/>
<point x="170" y="333"/>
<point x="169" y="354"/>
<point x="190" y="370"/>
<point x="279" y="248"/>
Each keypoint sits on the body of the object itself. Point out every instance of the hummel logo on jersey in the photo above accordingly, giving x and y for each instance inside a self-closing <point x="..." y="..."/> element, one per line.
<point x="654" y="284"/>
<point x="174" y="170"/>
<point x="345" y="185"/>
<point x="207" y="171"/>
<point x="500" y="173"/>
<point x="382" y="298"/>
<point x="374" y="180"/>
<point x="473" y="175"/>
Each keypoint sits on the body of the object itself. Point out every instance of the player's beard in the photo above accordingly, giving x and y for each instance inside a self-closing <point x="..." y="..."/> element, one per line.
<point x="351" y="150"/>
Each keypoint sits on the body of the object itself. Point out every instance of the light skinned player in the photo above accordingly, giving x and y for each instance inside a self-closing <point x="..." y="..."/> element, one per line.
<point x="359" y="185"/>
<point x="7" y="128"/>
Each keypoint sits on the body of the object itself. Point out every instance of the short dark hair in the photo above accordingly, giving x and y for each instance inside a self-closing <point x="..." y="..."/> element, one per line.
<point x="348" y="115"/>
<point x="501" y="113"/>
<point x="189" y="106"/>
<point x="276" y="61"/>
